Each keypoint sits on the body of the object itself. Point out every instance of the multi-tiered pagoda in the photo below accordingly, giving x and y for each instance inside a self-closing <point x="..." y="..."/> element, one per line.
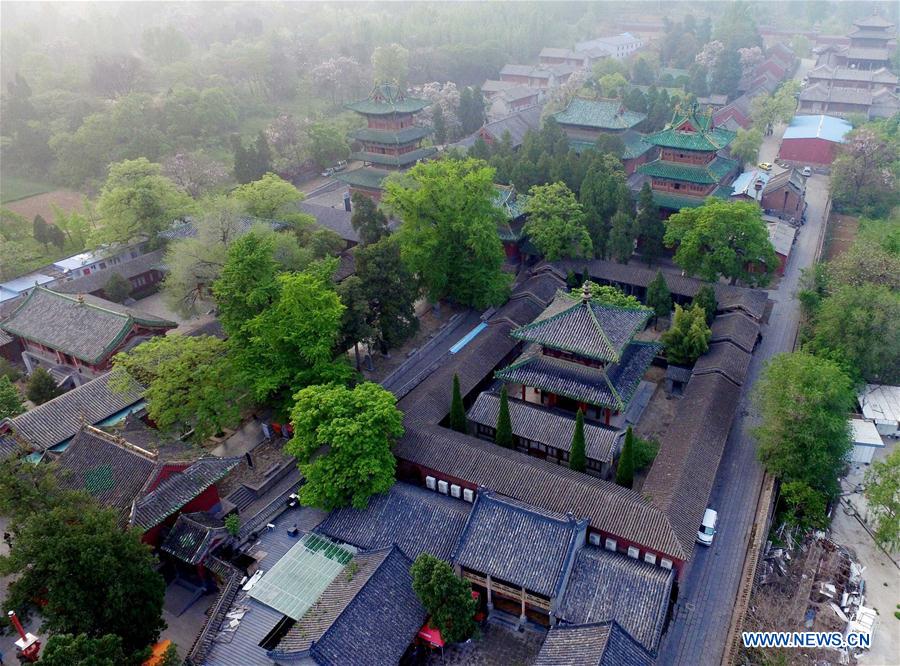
<point x="871" y="42"/>
<point x="391" y="140"/>
<point x="583" y="356"/>
<point x="689" y="167"/>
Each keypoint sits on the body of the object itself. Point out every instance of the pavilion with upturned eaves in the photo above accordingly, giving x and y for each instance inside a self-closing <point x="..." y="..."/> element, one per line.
<point x="689" y="167"/>
<point x="584" y="357"/>
<point x="391" y="140"/>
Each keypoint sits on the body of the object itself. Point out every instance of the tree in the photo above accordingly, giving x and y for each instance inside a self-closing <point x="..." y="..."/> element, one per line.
<point x="603" y="192"/>
<point x="137" y="199"/>
<point x="41" y="387"/>
<point x="448" y="237"/>
<point x="367" y="219"/>
<point x="471" y="110"/>
<point x="40" y="231"/>
<point x="355" y="326"/>
<point x="649" y="226"/>
<point x="605" y="294"/>
<point x="327" y="144"/>
<point x="556" y="223"/>
<point x="117" y="288"/>
<point x="862" y="175"/>
<point x="642" y="73"/>
<point x="391" y="292"/>
<point x="342" y="441"/>
<point x="659" y="298"/>
<point x="745" y="146"/>
<point x="688" y="337"/>
<point x="803" y="434"/>
<point x="859" y="328"/>
<point x="504" y="435"/>
<point x="191" y="384"/>
<point x="457" y="411"/>
<point x="440" y="124"/>
<point x="621" y="237"/>
<point x="10" y="399"/>
<point x="699" y="83"/>
<point x="706" y="299"/>
<point x="883" y="495"/>
<point x="268" y="197"/>
<point x="56" y="554"/>
<point x="723" y="239"/>
<point x="726" y="74"/>
<point x="196" y="173"/>
<point x="390" y="64"/>
<point x="447" y="598"/>
<point x="805" y="506"/>
<point x="625" y="468"/>
<point x="866" y="263"/>
<point x="83" y="650"/>
<point x="577" y="457"/>
<point x="247" y="284"/>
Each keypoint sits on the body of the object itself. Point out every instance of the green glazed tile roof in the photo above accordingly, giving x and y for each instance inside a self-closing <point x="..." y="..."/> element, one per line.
<point x="385" y="99"/>
<point x="404" y="159"/>
<point x="635" y="146"/>
<point x="364" y="177"/>
<point x="404" y="135"/>
<point x="679" y="201"/>
<point x="691" y="130"/>
<point x="598" y="113"/>
<point x="704" y="175"/>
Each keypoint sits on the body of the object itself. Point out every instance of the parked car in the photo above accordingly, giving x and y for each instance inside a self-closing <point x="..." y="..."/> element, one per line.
<point x="341" y="165"/>
<point x="328" y="172"/>
<point x="765" y="166"/>
<point x="707" y="527"/>
<point x="807" y="171"/>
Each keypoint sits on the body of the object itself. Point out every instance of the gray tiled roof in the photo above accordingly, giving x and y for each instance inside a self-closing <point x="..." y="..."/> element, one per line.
<point x="193" y="536"/>
<point x="9" y="446"/>
<point x="597" y="644"/>
<point x="178" y="489"/>
<point x="417" y="520"/>
<point x="588" y="329"/>
<point x="519" y="544"/>
<point x="372" y="621"/>
<point x="736" y="328"/>
<point x="113" y="471"/>
<point x="86" y="327"/>
<point x="97" y="280"/>
<point x="545" y="426"/>
<point x="605" y="585"/>
<point x="613" y="388"/>
<point x="57" y="420"/>
<point x="726" y="359"/>
<point x="335" y="219"/>
<point x="609" y="507"/>
<point x="517" y="124"/>
<point x="681" y="478"/>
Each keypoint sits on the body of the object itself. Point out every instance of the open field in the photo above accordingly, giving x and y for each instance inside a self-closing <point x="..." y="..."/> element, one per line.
<point x="13" y="188"/>
<point x="841" y="234"/>
<point x="42" y="204"/>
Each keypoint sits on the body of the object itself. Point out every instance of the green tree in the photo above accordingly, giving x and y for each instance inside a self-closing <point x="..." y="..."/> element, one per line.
<point x="327" y="144"/>
<point x="448" y="237"/>
<point x="746" y="144"/>
<point x="803" y="434"/>
<point x="625" y="469"/>
<point x="688" y="337"/>
<point x="391" y="292"/>
<point x="10" y="399"/>
<point x="723" y="239"/>
<point x="117" y="288"/>
<point x="805" y="506"/>
<point x="439" y="123"/>
<point x="862" y="175"/>
<point x="291" y="343"/>
<point x="859" y="328"/>
<point x="41" y="387"/>
<point x="447" y="598"/>
<point x="457" y="411"/>
<point x="883" y="495"/>
<point x="556" y="223"/>
<point x="390" y="64"/>
<point x="83" y="650"/>
<point x="367" y="219"/>
<point x="137" y="199"/>
<point x="621" y="237"/>
<point x="355" y="322"/>
<point x="649" y="225"/>
<point x="699" y="83"/>
<point x="603" y="192"/>
<point x="342" y="440"/>
<point x="706" y="299"/>
<point x="233" y="524"/>
<point x="191" y="384"/>
<point x="726" y="73"/>
<point x="268" y="197"/>
<point x="577" y="456"/>
<point x="659" y="298"/>
<point x="605" y="294"/>
<point x="56" y="555"/>
<point x="504" y="435"/>
<point x="41" y="231"/>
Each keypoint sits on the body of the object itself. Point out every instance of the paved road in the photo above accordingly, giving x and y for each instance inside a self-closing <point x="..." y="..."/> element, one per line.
<point x="698" y="630"/>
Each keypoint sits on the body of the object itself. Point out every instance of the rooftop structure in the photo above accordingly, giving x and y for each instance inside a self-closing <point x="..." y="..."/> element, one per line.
<point x="617" y="46"/>
<point x="881" y="404"/>
<point x="879" y="102"/>
<point x="813" y="139"/>
<point x="598" y="644"/>
<point x="865" y="438"/>
<point x="194" y="536"/>
<point x="142" y="272"/>
<point x="588" y="115"/>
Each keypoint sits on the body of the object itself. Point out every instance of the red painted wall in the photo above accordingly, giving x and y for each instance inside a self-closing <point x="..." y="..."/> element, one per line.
<point x="808" y="151"/>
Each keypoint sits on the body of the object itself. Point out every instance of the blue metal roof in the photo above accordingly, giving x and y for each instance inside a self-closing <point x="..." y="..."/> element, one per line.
<point x="743" y="184"/>
<point x="818" y="127"/>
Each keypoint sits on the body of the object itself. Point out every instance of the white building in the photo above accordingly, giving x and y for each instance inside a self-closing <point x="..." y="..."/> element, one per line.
<point x="865" y="441"/>
<point x="617" y="46"/>
<point x="881" y="405"/>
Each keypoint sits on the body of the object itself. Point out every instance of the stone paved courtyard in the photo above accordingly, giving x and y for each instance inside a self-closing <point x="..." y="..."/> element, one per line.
<point x="497" y="646"/>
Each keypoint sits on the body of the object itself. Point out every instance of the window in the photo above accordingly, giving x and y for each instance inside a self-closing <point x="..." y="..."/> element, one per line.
<point x="649" y="558"/>
<point x="665" y="563"/>
<point x="610" y="544"/>
<point x="633" y="552"/>
<point x="676" y="186"/>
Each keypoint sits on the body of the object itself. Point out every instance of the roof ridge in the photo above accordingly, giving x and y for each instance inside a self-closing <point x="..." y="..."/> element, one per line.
<point x="120" y="442"/>
<point x="590" y="308"/>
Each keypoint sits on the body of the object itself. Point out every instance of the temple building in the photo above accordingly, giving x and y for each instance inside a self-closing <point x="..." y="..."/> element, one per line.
<point x="871" y="42"/>
<point x="690" y="167"/>
<point x="391" y="141"/>
<point x="581" y="357"/>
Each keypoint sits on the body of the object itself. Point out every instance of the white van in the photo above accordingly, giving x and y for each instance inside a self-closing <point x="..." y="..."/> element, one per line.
<point x="707" y="527"/>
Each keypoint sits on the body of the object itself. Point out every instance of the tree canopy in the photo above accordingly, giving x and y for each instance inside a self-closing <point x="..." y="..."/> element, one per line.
<point x="688" y="338"/>
<point x="342" y="440"/>
<point x="556" y="223"/>
<point x="10" y="399"/>
<point x="723" y="239"/>
<point x="448" y="237"/>
<point x="367" y="219"/>
<point x="268" y="197"/>
<point x="447" y="598"/>
<point x="883" y="495"/>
